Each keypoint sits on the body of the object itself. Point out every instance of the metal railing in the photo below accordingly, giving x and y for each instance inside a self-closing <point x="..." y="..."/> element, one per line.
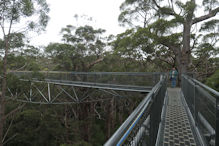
<point x="203" y="103"/>
<point x="118" y="78"/>
<point x="65" y="87"/>
<point x="141" y="127"/>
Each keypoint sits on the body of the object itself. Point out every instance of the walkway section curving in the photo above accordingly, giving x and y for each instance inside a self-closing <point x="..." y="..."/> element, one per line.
<point x="177" y="129"/>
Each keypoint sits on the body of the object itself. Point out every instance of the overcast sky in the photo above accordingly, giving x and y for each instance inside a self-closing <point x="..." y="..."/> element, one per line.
<point x="104" y="13"/>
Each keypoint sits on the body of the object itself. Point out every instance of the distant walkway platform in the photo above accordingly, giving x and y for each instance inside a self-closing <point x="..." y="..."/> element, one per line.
<point x="176" y="128"/>
<point x="130" y="88"/>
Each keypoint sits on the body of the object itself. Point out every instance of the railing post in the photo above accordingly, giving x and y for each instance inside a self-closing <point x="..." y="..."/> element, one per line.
<point x="151" y="130"/>
<point x="217" y="122"/>
<point x="49" y="95"/>
<point x="195" y="104"/>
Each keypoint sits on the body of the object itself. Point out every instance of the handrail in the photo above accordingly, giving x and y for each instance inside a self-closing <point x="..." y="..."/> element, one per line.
<point x="206" y="87"/>
<point x="92" y="73"/>
<point x="137" y="82"/>
<point x="124" y="130"/>
<point x="203" y="103"/>
<point x="127" y="78"/>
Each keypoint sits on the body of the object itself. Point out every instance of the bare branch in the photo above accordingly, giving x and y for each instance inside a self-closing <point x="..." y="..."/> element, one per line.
<point x="140" y="14"/>
<point x="205" y="17"/>
<point x="3" y="27"/>
<point x="15" y="110"/>
<point x="93" y="63"/>
<point x="3" y="21"/>
<point x="6" y="133"/>
<point x="21" y="67"/>
<point x="156" y="4"/>
<point x="11" y="21"/>
<point x="98" y="114"/>
<point x="165" y="61"/>
<point x="10" y="138"/>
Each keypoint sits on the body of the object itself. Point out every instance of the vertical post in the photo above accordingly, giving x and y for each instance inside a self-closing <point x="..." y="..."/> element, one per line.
<point x="31" y="91"/>
<point x="217" y="121"/>
<point x="153" y="79"/>
<point x="183" y="84"/>
<point x="49" y="93"/>
<point x="95" y="78"/>
<point x="151" y="130"/>
<point x="195" y="105"/>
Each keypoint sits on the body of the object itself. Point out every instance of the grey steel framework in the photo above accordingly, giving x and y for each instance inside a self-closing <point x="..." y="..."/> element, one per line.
<point x="143" y="126"/>
<point x="63" y="87"/>
<point x="140" y="128"/>
<point x="203" y="104"/>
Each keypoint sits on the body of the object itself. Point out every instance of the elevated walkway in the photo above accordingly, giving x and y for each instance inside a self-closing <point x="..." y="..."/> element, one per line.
<point x="186" y="116"/>
<point x="131" y="88"/>
<point x="176" y="128"/>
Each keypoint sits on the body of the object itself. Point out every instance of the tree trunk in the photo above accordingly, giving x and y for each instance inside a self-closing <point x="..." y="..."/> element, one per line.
<point x="2" y="99"/>
<point x="110" y="118"/>
<point x="183" y="55"/>
<point x="2" y="108"/>
<point x="186" y="52"/>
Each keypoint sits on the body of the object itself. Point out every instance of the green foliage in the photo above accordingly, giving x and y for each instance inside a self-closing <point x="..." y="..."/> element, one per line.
<point x="189" y="7"/>
<point x="18" y="9"/>
<point x="16" y="40"/>
<point x="63" y="55"/>
<point x="210" y="25"/>
<point x="24" y="62"/>
<point x="32" y="127"/>
<point x="65" y="124"/>
<point x="206" y="49"/>
<point x="82" y="45"/>
<point x="209" y="4"/>
<point x="167" y="27"/>
<point x="31" y="51"/>
<point x="15" y="62"/>
<point x="82" y="143"/>
<point x="98" y="137"/>
<point x="15" y="85"/>
<point x="141" y="49"/>
<point x="161" y="26"/>
<point x="136" y="13"/>
<point x="213" y="81"/>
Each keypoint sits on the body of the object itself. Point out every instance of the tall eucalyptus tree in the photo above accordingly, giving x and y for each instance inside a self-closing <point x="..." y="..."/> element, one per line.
<point x="168" y="25"/>
<point x="81" y="49"/>
<point x="32" y="15"/>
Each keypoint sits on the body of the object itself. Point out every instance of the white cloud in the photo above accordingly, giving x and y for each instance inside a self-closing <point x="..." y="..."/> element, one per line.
<point x="104" y="12"/>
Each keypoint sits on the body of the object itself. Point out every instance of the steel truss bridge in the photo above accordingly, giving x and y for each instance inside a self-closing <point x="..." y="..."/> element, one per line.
<point x="166" y="116"/>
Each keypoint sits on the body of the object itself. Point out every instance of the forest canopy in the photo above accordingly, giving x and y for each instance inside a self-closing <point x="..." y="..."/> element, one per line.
<point x="161" y="34"/>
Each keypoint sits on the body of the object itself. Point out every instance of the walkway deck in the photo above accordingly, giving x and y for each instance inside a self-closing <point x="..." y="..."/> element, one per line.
<point x="177" y="129"/>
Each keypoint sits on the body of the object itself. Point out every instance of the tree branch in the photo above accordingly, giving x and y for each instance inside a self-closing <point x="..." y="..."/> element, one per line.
<point x="156" y="4"/>
<point x="93" y="63"/>
<point x="6" y="133"/>
<point x="173" y="13"/>
<point x="11" y="21"/>
<point x="165" y="61"/>
<point x="3" y="22"/>
<point x="15" y="110"/>
<point x="207" y="16"/>
<point x="140" y="14"/>
<point x="21" y="67"/>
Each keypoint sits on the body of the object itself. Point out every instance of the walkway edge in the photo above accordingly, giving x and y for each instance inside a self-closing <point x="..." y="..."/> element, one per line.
<point x="162" y="122"/>
<point x="192" y="121"/>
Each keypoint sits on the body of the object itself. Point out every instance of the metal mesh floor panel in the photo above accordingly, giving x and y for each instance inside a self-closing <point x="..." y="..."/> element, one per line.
<point x="177" y="130"/>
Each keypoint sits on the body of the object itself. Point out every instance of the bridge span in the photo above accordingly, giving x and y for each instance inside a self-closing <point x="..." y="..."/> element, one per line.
<point x="188" y="115"/>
